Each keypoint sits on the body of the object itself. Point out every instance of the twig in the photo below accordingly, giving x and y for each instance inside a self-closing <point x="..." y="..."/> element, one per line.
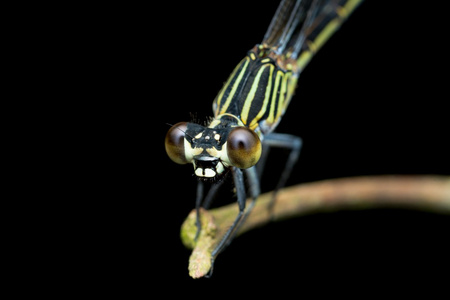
<point x="422" y="192"/>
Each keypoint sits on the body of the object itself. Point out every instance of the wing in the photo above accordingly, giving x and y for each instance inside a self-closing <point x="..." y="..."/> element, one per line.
<point x="300" y="28"/>
<point x="325" y="17"/>
<point x="286" y="18"/>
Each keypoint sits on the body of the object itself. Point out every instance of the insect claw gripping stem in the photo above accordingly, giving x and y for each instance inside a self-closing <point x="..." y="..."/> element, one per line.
<point x="210" y="272"/>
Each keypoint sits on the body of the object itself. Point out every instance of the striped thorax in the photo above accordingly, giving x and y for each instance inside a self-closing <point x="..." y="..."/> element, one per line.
<point x="258" y="90"/>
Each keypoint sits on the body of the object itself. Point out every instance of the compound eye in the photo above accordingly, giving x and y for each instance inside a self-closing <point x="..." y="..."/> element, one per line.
<point x="175" y="143"/>
<point x="243" y="147"/>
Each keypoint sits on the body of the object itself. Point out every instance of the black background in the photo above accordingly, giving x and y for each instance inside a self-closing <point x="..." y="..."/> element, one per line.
<point x="372" y="101"/>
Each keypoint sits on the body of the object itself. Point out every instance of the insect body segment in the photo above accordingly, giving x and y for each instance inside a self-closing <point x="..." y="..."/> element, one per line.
<point x="258" y="91"/>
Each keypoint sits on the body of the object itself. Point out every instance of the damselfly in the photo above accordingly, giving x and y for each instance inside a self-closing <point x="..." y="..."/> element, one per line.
<point x="251" y="104"/>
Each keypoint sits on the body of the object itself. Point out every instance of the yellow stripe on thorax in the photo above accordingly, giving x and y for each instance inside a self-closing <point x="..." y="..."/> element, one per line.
<point x="284" y="95"/>
<point x="248" y="101"/>
<point x="271" y="118"/>
<point x="219" y="98"/>
<point x="254" y="122"/>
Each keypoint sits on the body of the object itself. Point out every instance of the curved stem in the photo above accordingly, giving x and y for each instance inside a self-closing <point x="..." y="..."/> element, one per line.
<point x="422" y="192"/>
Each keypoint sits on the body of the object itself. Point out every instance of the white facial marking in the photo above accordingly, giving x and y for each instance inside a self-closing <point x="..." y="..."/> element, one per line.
<point x="190" y="152"/>
<point x="213" y="152"/>
<point x="207" y="158"/>
<point x="209" y="173"/>
<point x="223" y="155"/>
<point x="219" y="168"/>
<point x="199" y="172"/>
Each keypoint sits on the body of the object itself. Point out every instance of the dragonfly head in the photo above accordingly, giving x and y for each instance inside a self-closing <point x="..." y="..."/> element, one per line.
<point x="212" y="150"/>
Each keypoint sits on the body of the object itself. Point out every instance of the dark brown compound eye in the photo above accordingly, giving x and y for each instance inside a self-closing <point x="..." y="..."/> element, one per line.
<point x="243" y="147"/>
<point x="175" y="143"/>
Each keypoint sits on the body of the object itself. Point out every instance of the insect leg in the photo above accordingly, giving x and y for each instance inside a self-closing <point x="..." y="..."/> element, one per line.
<point x="262" y="160"/>
<point x="238" y="179"/>
<point x="198" y="204"/>
<point x="287" y="141"/>
<point x="206" y="201"/>
<point x="254" y="191"/>
<point x="212" y="193"/>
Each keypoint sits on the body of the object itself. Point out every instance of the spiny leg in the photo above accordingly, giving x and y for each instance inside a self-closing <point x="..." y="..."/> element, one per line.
<point x="253" y="182"/>
<point x="254" y="191"/>
<point x="212" y="193"/>
<point x="238" y="180"/>
<point x="287" y="141"/>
